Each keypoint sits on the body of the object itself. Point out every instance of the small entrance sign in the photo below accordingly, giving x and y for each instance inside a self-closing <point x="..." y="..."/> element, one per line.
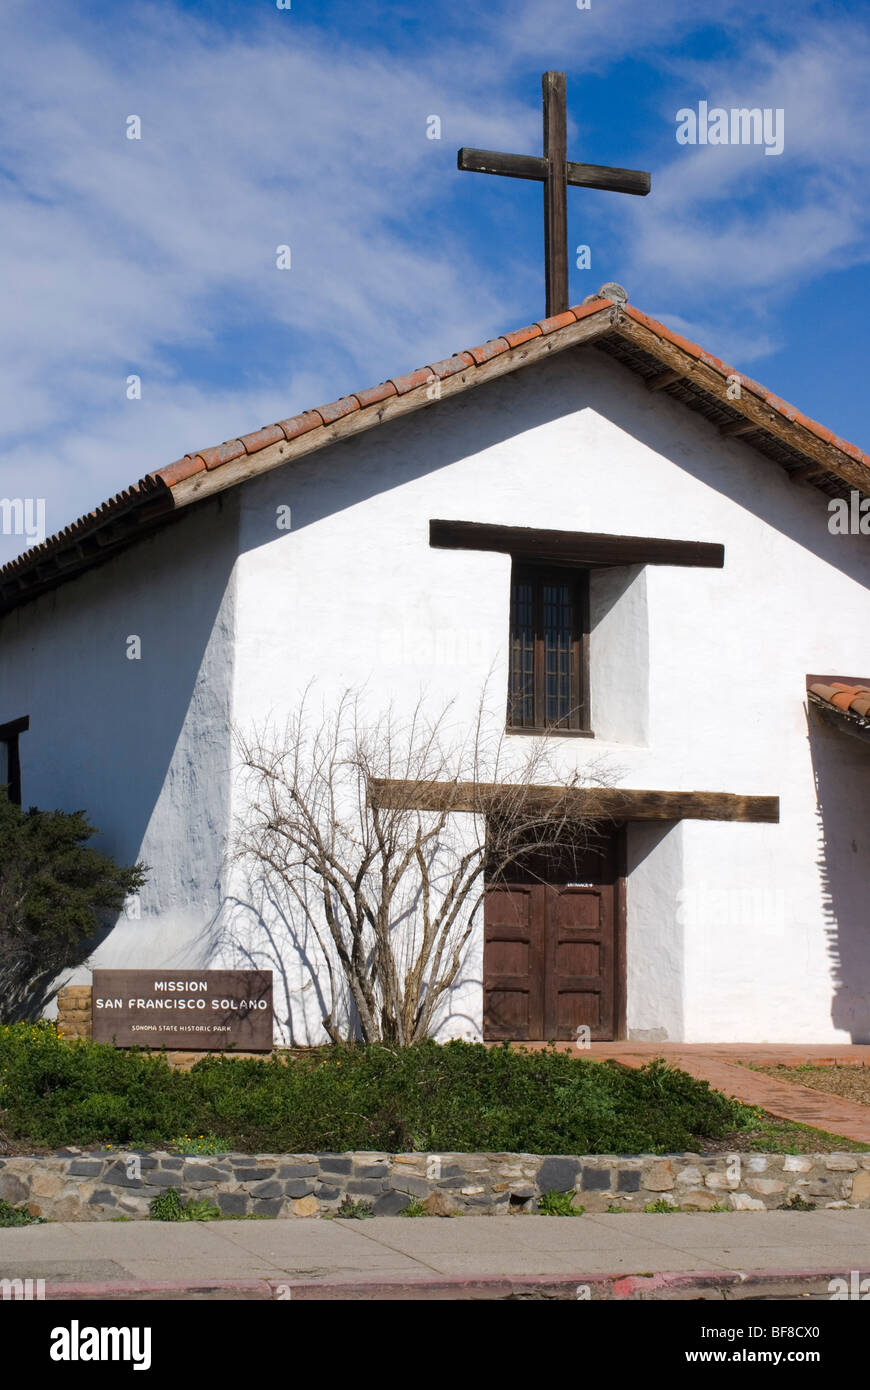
<point x="193" y="1010"/>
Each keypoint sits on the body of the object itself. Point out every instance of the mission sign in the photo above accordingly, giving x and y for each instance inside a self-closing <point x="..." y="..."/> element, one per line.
<point x="195" y="1010"/>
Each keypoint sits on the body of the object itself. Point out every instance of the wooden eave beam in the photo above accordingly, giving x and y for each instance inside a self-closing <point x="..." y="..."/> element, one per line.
<point x="827" y="456"/>
<point x="79" y="554"/>
<point x="840" y="719"/>
<point x="663" y="379"/>
<point x="737" y="427"/>
<point x="605" y="803"/>
<point x="574" y="547"/>
<point x="805" y="473"/>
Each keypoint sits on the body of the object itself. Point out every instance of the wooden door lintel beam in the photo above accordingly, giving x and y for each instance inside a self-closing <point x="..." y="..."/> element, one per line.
<point x="604" y="803"/>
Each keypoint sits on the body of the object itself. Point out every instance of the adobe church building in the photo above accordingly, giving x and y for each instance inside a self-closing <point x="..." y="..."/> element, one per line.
<point x="705" y="620"/>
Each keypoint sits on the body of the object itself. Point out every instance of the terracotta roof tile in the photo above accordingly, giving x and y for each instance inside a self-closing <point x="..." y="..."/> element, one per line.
<point x="336" y="410"/>
<point x="155" y="491"/>
<point x="523" y="335"/>
<point x="300" y="424"/>
<point x="261" y="439"/>
<point x="459" y="362"/>
<point x="181" y="469"/>
<point x="854" y="699"/>
<point x="222" y="453"/>
<point x="555" y="321"/>
<point x="411" y="380"/>
<point x="843" y="698"/>
<point x="494" y="348"/>
<point x="582" y="311"/>
<point x="375" y="394"/>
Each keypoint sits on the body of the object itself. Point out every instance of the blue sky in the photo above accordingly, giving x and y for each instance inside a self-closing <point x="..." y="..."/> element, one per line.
<point x="307" y="127"/>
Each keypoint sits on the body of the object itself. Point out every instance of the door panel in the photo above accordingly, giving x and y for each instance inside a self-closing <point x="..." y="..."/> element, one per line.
<point x="580" y="969"/>
<point x="550" y="958"/>
<point x="514" y="962"/>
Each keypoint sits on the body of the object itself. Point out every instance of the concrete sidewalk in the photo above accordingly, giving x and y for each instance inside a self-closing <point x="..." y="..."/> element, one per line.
<point x="723" y="1254"/>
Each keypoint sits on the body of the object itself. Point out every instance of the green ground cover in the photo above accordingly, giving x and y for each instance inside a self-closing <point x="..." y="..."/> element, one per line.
<point x="460" y="1097"/>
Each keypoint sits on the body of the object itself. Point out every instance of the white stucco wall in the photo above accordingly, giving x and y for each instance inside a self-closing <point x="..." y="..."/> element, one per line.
<point x="140" y="745"/>
<point x="655" y="935"/>
<point x="697" y="682"/>
<point x="697" y="675"/>
<point x="618" y="643"/>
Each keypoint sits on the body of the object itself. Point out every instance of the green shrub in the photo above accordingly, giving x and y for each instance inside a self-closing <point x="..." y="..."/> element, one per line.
<point x="17" y="1216"/>
<point x="558" y="1204"/>
<point x="796" y="1202"/>
<point x="199" y="1144"/>
<point x="414" y="1208"/>
<point x="55" y="891"/>
<point x="169" y="1207"/>
<point x="354" y="1211"/>
<point x="456" y="1097"/>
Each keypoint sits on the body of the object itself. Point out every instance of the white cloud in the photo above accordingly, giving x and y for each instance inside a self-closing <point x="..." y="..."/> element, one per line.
<point x="116" y="252"/>
<point x="730" y="215"/>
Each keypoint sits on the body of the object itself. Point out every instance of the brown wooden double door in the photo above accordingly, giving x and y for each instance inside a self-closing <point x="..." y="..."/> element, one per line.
<point x="553" y="948"/>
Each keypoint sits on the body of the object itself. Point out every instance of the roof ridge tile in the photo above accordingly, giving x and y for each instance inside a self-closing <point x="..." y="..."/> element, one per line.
<point x="221" y="453"/>
<point x="375" y="394"/>
<point x="261" y="438"/>
<point x="494" y="347"/>
<point x="411" y="380"/>
<point x="179" y="470"/>
<point x="336" y="410"/>
<point x="300" y="424"/>
<point x="556" y="321"/>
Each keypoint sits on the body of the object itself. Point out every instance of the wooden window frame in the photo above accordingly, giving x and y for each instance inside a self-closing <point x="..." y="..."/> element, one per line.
<point x="577" y="725"/>
<point x="9" y="735"/>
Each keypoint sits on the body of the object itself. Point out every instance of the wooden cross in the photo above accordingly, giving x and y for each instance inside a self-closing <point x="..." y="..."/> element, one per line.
<point x="555" y="171"/>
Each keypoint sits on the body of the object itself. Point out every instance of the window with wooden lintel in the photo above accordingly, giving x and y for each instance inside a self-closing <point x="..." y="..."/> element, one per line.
<point x="549" y="623"/>
<point x="548" y="683"/>
<point x="10" y="758"/>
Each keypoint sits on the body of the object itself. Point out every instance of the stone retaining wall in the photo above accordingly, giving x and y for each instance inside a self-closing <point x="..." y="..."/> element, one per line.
<point x="78" y="1185"/>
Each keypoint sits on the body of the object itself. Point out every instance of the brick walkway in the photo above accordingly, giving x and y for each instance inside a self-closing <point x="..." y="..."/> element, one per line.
<point x="754" y="1054"/>
<point x="719" y="1063"/>
<point x="788" y="1100"/>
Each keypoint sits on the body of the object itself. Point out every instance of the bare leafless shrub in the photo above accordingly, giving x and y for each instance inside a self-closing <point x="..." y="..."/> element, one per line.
<point x="380" y="832"/>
